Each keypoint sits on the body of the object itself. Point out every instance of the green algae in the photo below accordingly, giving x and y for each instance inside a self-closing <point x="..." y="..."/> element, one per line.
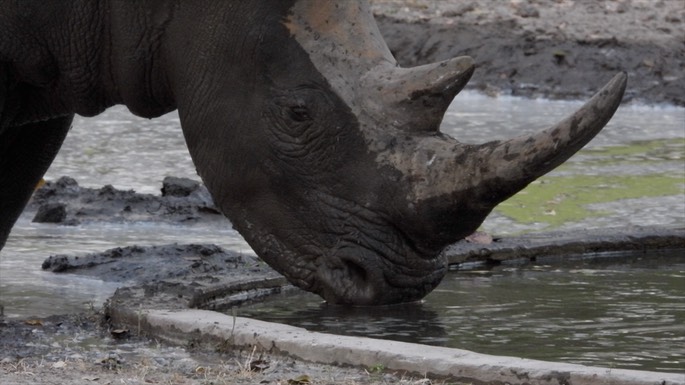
<point x="636" y="152"/>
<point x="558" y="199"/>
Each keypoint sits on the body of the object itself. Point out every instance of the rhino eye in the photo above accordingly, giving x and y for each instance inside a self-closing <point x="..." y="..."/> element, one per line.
<point x="299" y="113"/>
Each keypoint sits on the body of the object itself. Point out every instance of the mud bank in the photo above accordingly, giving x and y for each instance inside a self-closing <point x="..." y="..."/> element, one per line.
<point x="547" y="48"/>
<point x="561" y="247"/>
<point x="65" y="202"/>
<point x="177" y="276"/>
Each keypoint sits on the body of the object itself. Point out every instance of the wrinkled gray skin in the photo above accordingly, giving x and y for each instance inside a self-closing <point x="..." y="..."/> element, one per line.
<point x="324" y="154"/>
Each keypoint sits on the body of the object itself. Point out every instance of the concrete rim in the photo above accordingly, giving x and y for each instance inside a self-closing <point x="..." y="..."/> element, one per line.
<point x="184" y="326"/>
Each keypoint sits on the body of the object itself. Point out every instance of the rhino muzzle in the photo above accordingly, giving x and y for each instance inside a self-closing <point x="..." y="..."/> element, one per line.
<point x="360" y="276"/>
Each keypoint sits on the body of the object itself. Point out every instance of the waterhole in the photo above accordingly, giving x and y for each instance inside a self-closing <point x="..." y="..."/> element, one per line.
<point x="626" y="313"/>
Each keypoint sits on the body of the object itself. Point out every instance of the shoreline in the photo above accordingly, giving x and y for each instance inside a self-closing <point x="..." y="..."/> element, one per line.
<point x="551" y="49"/>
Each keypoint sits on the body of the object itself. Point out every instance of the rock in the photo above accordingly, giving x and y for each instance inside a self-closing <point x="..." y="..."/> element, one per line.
<point x="59" y="365"/>
<point x="623" y="7"/>
<point x="460" y="10"/>
<point x="67" y="183"/>
<point x="64" y="202"/>
<point x="111" y="361"/>
<point x="52" y="212"/>
<point x="178" y="187"/>
<point x="56" y="263"/>
<point x="527" y="10"/>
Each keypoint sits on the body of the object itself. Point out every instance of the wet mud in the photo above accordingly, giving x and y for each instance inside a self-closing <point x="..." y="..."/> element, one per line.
<point x="552" y="49"/>
<point x="176" y="275"/>
<point x="559" y="247"/>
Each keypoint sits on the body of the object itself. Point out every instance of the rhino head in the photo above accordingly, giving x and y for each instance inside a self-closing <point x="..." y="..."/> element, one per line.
<point x="332" y="165"/>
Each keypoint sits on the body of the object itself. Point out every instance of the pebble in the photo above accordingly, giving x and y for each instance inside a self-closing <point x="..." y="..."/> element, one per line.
<point x="7" y="360"/>
<point x="59" y="364"/>
<point x="528" y="10"/>
<point x="186" y="365"/>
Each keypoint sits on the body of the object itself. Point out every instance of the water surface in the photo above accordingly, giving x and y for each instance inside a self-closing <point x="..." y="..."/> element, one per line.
<point x="641" y="146"/>
<point x="627" y="315"/>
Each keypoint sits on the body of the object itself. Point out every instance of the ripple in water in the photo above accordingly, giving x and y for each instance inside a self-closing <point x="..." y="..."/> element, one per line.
<point x="613" y="315"/>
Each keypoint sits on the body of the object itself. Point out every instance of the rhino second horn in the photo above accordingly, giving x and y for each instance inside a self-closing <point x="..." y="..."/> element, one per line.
<point x="415" y="99"/>
<point x="511" y="165"/>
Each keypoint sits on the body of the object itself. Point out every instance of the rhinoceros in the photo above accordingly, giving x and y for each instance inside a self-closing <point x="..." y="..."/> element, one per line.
<point x="322" y="151"/>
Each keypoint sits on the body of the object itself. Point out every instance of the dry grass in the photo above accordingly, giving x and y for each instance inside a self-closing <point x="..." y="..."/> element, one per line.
<point x="238" y="371"/>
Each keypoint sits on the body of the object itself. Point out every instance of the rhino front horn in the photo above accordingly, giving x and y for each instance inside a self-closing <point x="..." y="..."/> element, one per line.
<point x="513" y="164"/>
<point x="456" y="185"/>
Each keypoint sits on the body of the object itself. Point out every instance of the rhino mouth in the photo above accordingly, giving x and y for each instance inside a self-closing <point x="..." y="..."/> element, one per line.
<point x="376" y="265"/>
<point x="362" y="277"/>
<point x="344" y="252"/>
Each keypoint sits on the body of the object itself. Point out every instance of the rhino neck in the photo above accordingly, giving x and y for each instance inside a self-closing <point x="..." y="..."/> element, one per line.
<point x="81" y="57"/>
<point x="52" y="55"/>
<point x="135" y="63"/>
<point x="218" y="76"/>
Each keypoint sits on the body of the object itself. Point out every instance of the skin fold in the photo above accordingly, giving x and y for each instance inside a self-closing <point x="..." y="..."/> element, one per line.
<point x="324" y="153"/>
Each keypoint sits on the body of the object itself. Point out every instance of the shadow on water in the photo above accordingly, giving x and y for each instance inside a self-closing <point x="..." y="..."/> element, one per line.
<point x="621" y="313"/>
<point x="386" y="322"/>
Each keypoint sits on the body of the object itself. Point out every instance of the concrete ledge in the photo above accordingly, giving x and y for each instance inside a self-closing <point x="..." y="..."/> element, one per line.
<point x="555" y="247"/>
<point x="184" y="326"/>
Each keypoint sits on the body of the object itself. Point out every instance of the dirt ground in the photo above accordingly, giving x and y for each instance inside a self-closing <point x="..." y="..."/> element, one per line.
<point x="81" y="349"/>
<point x="550" y="48"/>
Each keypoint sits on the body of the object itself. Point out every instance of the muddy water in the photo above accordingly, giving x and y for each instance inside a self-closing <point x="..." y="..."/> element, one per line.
<point x="636" y="163"/>
<point x="26" y="290"/>
<point x="618" y="315"/>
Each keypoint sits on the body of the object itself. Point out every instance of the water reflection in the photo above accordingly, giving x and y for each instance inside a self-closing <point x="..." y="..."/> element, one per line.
<point x="628" y="315"/>
<point x="26" y="290"/>
<point x="387" y="322"/>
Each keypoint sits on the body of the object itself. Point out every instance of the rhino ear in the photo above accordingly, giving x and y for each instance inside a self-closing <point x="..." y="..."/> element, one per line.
<point x="417" y="98"/>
